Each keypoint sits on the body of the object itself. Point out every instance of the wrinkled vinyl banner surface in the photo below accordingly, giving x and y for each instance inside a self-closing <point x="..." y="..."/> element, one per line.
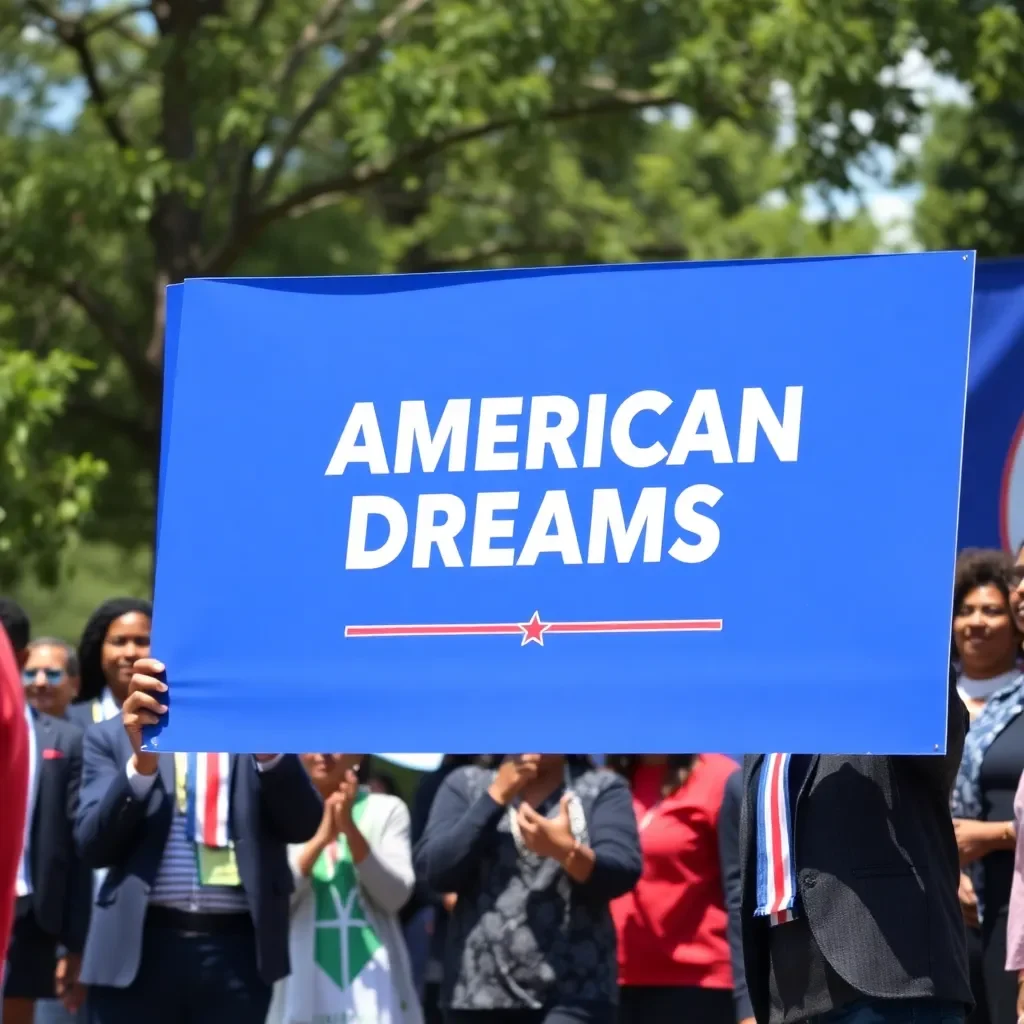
<point x="643" y="508"/>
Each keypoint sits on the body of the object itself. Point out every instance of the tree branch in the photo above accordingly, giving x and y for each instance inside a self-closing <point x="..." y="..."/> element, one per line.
<point x="308" y="40"/>
<point x="72" y="33"/>
<point x="317" y="193"/>
<point x="365" y="52"/>
<point x="84" y="407"/>
<point x="113" y="19"/>
<point x="263" y="8"/>
<point x="104" y="318"/>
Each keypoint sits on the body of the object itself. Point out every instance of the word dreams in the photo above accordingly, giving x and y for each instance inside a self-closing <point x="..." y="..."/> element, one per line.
<point x="501" y="444"/>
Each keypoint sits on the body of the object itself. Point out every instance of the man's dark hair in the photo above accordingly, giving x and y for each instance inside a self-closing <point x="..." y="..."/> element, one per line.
<point x="90" y="647"/>
<point x="15" y="621"/>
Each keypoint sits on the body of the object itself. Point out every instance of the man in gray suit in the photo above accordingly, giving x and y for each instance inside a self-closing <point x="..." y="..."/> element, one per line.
<point x="188" y="925"/>
<point x="850" y="874"/>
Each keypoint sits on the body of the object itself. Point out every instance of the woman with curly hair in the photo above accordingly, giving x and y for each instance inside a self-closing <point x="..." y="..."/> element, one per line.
<point x="115" y="637"/>
<point x="986" y="642"/>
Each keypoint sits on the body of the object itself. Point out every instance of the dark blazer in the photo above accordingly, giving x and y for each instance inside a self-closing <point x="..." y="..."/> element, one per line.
<point x="61" y="881"/>
<point x="83" y="715"/>
<point x="877" y="872"/>
<point x="732" y="884"/>
<point x="114" y="830"/>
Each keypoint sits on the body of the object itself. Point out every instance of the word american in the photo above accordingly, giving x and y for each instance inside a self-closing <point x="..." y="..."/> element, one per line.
<point x="537" y="434"/>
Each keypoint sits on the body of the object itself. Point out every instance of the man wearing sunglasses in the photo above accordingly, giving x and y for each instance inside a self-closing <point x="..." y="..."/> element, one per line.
<point x="53" y="887"/>
<point x="50" y="676"/>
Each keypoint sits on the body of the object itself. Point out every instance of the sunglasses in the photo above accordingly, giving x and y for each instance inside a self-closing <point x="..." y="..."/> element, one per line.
<point x="53" y="676"/>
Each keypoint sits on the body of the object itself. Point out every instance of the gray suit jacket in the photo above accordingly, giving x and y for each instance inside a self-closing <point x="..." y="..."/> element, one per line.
<point x="877" y="872"/>
<point x="114" y="830"/>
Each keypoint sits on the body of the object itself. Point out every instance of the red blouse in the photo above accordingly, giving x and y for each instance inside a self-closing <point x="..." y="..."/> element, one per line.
<point x="672" y="926"/>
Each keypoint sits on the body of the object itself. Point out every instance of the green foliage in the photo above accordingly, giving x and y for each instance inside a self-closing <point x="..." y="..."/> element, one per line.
<point x="325" y="136"/>
<point x="45" y="493"/>
<point x="100" y="571"/>
<point x="972" y="163"/>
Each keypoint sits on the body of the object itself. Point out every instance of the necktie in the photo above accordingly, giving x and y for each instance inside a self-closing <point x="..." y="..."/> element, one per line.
<point x="776" y="870"/>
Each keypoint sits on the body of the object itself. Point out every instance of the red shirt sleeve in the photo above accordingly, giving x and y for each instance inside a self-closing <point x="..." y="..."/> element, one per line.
<point x="13" y="783"/>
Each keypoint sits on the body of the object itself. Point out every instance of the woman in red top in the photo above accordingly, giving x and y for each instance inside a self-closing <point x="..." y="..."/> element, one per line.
<point x="673" y="950"/>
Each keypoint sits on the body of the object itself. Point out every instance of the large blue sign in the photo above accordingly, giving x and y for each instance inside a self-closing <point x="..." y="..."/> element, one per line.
<point x="992" y="495"/>
<point x="643" y="508"/>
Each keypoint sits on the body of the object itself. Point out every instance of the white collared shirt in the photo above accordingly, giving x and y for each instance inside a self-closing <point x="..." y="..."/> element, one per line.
<point x="108" y="706"/>
<point x="23" y="885"/>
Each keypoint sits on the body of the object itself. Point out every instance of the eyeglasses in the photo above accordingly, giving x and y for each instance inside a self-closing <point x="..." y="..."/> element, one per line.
<point x="53" y="676"/>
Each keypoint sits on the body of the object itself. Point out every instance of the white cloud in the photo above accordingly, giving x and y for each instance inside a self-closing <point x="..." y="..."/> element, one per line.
<point x="893" y="212"/>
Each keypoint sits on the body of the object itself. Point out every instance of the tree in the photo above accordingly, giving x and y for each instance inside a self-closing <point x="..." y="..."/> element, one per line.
<point x="972" y="162"/>
<point x="147" y="142"/>
<point x="44" y="496"/>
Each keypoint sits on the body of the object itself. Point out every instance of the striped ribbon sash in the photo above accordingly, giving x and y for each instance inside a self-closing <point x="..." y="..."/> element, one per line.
<point x="776" y="869"/>
<point x="208" y="778"/>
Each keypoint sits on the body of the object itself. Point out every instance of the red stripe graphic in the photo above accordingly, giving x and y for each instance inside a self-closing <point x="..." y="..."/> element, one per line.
<point x="485" y="629"/>
<point x="533" y="631"/>
<point x="212" y="792"/>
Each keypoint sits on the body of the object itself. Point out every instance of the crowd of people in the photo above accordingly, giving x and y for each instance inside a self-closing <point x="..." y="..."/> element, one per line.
<point x="516" y="888"/>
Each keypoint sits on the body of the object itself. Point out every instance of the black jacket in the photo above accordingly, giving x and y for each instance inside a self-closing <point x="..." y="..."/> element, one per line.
<point x="732" y="883"/>
<point x="61" y="881"/>
<point x="877" y="872"/>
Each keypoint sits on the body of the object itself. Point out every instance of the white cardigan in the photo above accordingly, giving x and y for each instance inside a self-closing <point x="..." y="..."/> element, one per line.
<point x="386" y="882"/>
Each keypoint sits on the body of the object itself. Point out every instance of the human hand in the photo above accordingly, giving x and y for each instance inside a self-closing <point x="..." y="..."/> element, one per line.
<point x="547" y="837"/>
<point x="975" y="839"/>
<point x="67" y="987"/>
<point x="448" y="901"/>
<point x="347" y="793"/>
<point x="330" y="822"/>
<point x="513" y="775"/>
<point x="968" y="901"/>
<point x="143" y="706"/>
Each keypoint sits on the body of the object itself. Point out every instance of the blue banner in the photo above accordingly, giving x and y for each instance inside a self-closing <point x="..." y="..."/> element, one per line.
<point x="992" y="496"/>
<point x="645" y="508"/>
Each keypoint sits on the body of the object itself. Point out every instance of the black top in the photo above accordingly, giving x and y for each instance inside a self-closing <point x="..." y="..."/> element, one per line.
<point x="523" y="935"/>
<point x="729" y="858"/>
<point x="1001" y="769"/>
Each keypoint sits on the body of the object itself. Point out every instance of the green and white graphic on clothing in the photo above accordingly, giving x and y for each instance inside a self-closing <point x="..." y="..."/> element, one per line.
<point x="353" y="983"/>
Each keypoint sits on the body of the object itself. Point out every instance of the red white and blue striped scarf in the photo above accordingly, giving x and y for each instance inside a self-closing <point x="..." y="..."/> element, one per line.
<point x="208" y="799"/>
<point x="776" y="868"/>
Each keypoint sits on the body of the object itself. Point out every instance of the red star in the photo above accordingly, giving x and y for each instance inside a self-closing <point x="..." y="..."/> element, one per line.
<point x="533" y="631"/>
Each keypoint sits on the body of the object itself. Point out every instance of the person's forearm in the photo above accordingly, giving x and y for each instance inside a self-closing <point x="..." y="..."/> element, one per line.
<point x="357" y="844"/>
<point x="579" y="863"/>
<point x="1004" y="835"/>
<point x="310" y="853"/>
<point x="453" y="849"/>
